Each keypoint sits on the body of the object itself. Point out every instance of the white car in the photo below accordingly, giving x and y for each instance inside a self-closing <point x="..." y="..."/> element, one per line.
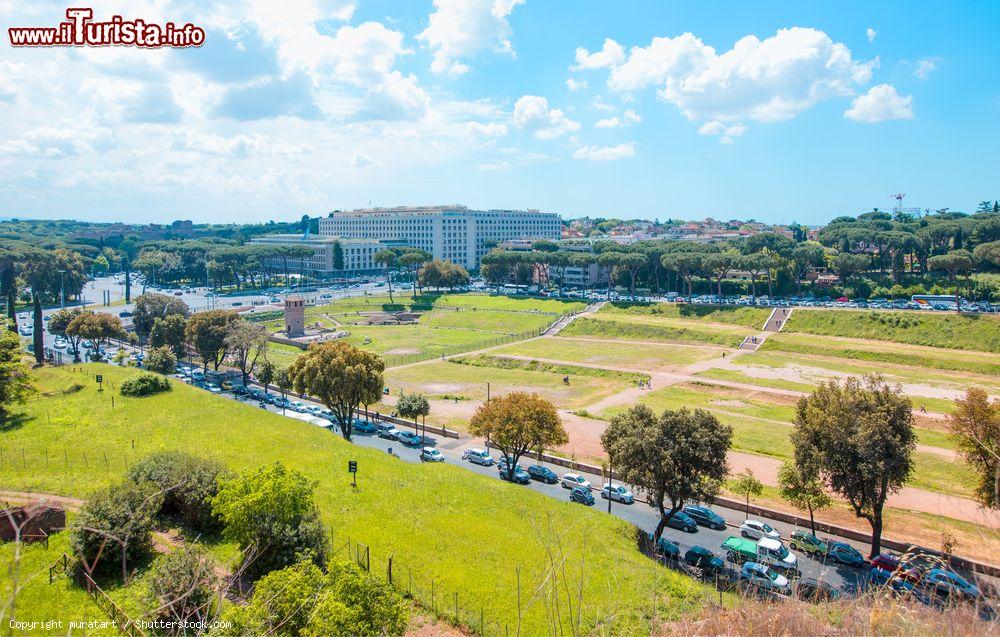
<point x="212" y="387"/>
<point x="571" y="480"/>
<point x="478" y="456"/>
<point x="755" y="530"/>
<point x="617" y="493"/>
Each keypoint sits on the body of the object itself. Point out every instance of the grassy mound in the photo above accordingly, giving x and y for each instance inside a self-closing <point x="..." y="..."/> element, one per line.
<point x="505" y="362"/>
<point x="752" y="317"/>
<point x="442" y="524"/>
<point x="954" y="331"/>
<point x="630" y="331"/>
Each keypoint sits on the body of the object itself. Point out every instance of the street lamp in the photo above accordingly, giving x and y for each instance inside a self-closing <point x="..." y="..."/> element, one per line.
<point x="62" y="289"/>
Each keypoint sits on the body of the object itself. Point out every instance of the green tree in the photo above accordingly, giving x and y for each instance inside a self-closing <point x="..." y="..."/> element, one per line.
<point x="183" y="589"/>
<point x="954" y="263"/>
<point x="806" y="256"/>
<point x="58" y="324"/>
<point x="685" y="264"/>
<point x="342" y="377"/>
<point x="747" y="485"/>
<point x="679" y="456"/>
<point x="97" y="327"/>
<point x="151" y="306"/>
<point x="858" y="437"/>
<point x="40" y="274"/>
<point x="188" y="483"/>
<point x="975" y="424"/>
<point x="412" y="259"/>
<point x="15" y="379"/>
<point x="988" y="253"/>
<point x="517" y="422"/>
<point x="206" y="332"/>
<point x="160" y="360"/>
<point x="720" y="264"/>
<point x="803" y="491"/>
<point x="847" y="265"/>
<point x="283" y="380"/>
<point x="413" y="406"/>
<point x="113" y="528"/>
<point x="388" y="258"/>
<point x="266" y="373"/>
<point x="168" y="331"/>
<point x="247" y="343"/>
<point x="270" y="514"/>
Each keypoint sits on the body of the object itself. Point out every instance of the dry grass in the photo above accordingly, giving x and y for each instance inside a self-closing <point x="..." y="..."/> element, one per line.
<point x="870" y="615"/>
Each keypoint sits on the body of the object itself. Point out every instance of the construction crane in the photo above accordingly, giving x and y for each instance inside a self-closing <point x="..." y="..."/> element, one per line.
<point x="899" y="200"/>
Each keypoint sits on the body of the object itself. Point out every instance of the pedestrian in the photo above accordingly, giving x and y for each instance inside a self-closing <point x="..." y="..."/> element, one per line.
<point x="723" y="354"/>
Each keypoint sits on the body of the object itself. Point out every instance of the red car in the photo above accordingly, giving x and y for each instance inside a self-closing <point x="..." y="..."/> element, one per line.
<point x="890" y="562"/>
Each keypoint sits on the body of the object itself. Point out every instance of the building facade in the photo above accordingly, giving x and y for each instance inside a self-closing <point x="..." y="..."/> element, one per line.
<point x="358" y="254"/>
<point x="454" y="233"/>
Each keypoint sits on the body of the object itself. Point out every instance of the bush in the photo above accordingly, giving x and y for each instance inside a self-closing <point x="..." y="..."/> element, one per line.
<point x="112" y="531"/>
<point x="189" y="484"/>
<point x="270" y="514"/>
<point x="183" y="587"/>
<point x="145" y="384"/>
<point x="161" y="360"/>
<point x="301" y="600"/>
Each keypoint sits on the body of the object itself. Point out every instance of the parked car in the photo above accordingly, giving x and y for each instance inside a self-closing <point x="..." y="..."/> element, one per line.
<point x="212" y="387"/>
<point x="429" y="454"/>
<point x="808" y="544"/>
<point x="517" y="476"/>
<point x="890" y="562"/>
<point x="946" y="583"/>
<point x="843" y="553"/>
<point x="666" y="549"/>
<point x="701" y="557"/>
<point x="617" y="493"/>
<point x="573" y="480"/>
<point x="367" y="427"/>
<point x="814" y="590"/>
<point x="764" y="579"/>
<point x="387" y="431"/>
<point x="581" y="495"/>
<point x="767" y="551"/>
<point x="298" y="407"/>
<point x="755" y="530"/>
<point x="897" y="586"/>
<point x="408" y="438"/>
<point x="682" y="522"/>
<point x="478" y="456"/>
<point x="542" y="474"/>
<point x="704" y="516"/>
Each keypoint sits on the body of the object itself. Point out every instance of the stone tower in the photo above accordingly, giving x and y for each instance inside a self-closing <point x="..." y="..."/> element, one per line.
<point x="295" y="316"/>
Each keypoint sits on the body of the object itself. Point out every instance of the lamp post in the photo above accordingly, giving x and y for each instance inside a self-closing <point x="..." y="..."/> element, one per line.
<point x="62" y="289"/>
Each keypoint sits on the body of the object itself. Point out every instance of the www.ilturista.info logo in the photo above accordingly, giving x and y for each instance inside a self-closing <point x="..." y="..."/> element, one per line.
<point x="79" y="29"/>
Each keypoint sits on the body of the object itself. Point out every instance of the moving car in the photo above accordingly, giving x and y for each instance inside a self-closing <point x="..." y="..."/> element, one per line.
<point x="617" y="494"/>
<point x="573" y="480"/>
<point x="682" y="522"/>
<point x="542" y="474"/>
<point x="387" y="431"/>
<point x="478" y="456"/>
<point x="704" y="516"/>
<point x="808" y="543"/>
<point x="429" y="454"/>
<point x="762" y="578"/>
<point x="755" y="530"/>
<point x="581" y="495"/>
<point x="843" y="553"/>
<point x="701" y="557"/>
<point x="408" y="438"/>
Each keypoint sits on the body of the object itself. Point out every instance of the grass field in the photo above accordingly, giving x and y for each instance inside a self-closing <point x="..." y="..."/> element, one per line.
<point x="752" y="317"/>
<point x="432" y="518"/>
<point x="650" y="357"/>
<point x="449" y="378"/>
<point x="647" y="328"/>
<point x="936" y="329"/>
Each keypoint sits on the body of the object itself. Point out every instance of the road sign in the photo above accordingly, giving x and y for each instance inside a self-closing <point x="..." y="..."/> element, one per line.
<point x="100" y="382"/>
<point x="352" y="467"/>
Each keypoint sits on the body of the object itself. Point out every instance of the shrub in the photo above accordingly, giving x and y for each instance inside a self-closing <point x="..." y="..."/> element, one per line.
<point x="161" y="360"/>
<point x="182" y="588"/>
<point x="113" y="528"/>
<point x="189" y="483"/>
<point x="145" y="384"/>
<point x="270" y="514"/>
<point x="300" y="600"/>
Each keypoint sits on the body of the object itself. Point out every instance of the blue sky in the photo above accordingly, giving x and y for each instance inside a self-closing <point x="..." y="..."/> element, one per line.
<point x="776" y="111"/>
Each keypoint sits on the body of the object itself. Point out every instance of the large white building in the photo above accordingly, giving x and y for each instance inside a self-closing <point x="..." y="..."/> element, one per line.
<point x="454" y="233"/>
<point x="358" y="254"/>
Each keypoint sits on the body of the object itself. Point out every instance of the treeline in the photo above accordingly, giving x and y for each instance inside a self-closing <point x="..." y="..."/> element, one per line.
<point x="872" y="254"/>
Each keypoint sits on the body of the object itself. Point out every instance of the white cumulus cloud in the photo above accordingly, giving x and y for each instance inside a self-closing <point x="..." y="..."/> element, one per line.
<point x="532" y="113"/>
<point x="763" y="80"/>
<point x="726" y="132"/>
<point x="924" y="68"/>
<point x="611" y="54"/>
<point x="360" y="160"/>
<point x="460" y="29"/>
<point x="575" y="85"/>
<point x="871" y="33"/>
<point x="605" y="153"/>
<point x="881" y="103"/>
<point x="628" y="118"/>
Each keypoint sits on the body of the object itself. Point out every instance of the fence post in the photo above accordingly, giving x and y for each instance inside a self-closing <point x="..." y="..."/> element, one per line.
<point x="390" y="570"/>
<point x="433" y="610"/>
<point x="457" y="620"/>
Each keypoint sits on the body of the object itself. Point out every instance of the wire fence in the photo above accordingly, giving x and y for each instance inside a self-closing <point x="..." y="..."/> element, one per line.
<point x="504" y="339"/>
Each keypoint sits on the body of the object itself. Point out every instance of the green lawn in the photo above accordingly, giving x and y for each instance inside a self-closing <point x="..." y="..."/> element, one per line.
<point x="445" y="378"/>
<point x="465" y="532"/>
<point x="642" y="328"/>
<point x="715" y="399"/>
<point x="752" y="317"/>
<point x="652" y="357"/>
<point x="936" y="329"/>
